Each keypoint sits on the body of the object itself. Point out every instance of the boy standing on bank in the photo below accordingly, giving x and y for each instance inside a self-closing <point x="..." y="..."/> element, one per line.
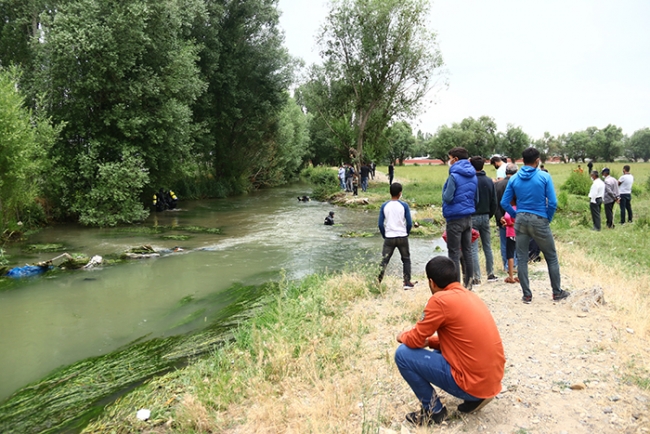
<point x="467" y="360"/>
<point x="395" y="226"/>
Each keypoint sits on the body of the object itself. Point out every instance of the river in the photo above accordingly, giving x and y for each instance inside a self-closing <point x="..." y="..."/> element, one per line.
<point x="58" y="319"/>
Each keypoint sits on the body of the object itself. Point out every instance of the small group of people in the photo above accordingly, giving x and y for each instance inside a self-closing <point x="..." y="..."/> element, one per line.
<point x="609" y="191"/>
<point x="456" y="345"/>
<point x="164" y="199"/>
<point x="349" y="179"/>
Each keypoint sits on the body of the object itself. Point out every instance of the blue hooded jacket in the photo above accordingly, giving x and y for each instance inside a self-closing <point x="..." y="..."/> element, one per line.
<point x="459" y="193"/>
<point x="534" y="191"/>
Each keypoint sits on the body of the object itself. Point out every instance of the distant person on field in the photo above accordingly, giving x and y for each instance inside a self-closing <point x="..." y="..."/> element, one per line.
<point x="625" y="191"/>
<point x="596" y="193"/>
<point x="349" y="178"/>
<point x="329" y="220"/>
<point x="500" y="166"/>
<point x="500" y="188"/>
<point x="373" y="167"/>
<point x="459" y="200"/>
<point x="579" y="169"/>
<point x="395" y="226"/>
<point x="485" y="209"/>
<point x="536" y="205"/>
<point x="611" y="196"/>
<point x="391" y="173"/>
<point x="590" y="166"/>
<point x="542" y="168"/>
<point x="342" y="177"/>
<point x="365" y="174"/>
<point x="456" y="347"/>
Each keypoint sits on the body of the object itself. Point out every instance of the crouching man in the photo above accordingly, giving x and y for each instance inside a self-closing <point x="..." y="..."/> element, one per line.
<point x="465" y="358"/>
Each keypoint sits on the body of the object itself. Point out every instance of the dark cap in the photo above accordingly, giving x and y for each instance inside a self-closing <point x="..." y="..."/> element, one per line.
<point x="605" y="170"/>
<point x="331" y="212"/>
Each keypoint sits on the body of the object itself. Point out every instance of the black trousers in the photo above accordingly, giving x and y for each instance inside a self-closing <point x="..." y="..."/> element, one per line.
<point x="626" y="205"/>
<point x="401" y="244"/>
<point x="609" y="214"/>
<point x="595" y="212"/>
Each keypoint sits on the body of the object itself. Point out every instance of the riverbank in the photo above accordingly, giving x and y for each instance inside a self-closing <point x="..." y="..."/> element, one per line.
<point x="318" y="358"/>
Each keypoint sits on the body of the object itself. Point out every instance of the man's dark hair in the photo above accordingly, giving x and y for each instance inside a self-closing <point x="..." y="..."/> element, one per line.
<point x="626" y="168"/>
<point x="505" y="159"/>
<point x="495" y="159"/>
<point x="395" y="189"/>
<point x="442" y="271"/>
<point x="460" y="153"/>
<point x="530" y="155"/>
<point x="477" y="162"/>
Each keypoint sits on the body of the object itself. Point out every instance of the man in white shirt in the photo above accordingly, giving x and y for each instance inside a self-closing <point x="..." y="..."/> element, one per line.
<point x="610" y="197"/>
<point x="596" y="194"/>
<point x="395" y="225"/>
<point x="500" y="166"/>
<point x="625" y="190"/>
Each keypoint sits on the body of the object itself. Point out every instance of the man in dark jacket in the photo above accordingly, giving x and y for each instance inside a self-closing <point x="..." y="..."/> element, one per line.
<point x="485" y="209"/>
<point x="365" y="173"/>
<point x="459" y="200"/>
<point x="500" y="188"/>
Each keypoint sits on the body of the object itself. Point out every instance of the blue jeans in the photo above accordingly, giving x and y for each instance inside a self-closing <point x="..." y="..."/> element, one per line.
<point x="626" y="205"/>
<point x="364" y="184"/>
<point x="529" y="226"/>
<point x="342" y="182"/>
<point x="459" y="241"/>
<point x="503" y="241"/>
<point x="423" y="368"/>
<point x="481" y="222"/>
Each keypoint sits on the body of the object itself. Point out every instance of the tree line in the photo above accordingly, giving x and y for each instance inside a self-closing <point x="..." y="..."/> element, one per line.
<point x="111" y="99"/>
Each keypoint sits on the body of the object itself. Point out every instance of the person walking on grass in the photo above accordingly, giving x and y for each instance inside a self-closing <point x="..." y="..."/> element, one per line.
<point x="485" y="209"/>
<point x="610" y="197"/>
<point x="459" y="199"/>
<point x="365" y="173"/>
<point x="596" y="193"/>
<point x="625" y="191"/>
<point x="391" y="173"/>
<point x="395" y="226"/>
<point x="456" y="347"/>
<point x="536" y="205"/>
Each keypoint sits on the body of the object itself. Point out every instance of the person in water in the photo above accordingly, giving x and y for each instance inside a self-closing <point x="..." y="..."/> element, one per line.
<point x="329" y="220"/>
<point x="160" y="200"/>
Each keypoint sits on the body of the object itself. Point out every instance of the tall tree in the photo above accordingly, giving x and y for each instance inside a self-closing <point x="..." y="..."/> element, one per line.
<point x="382" y="57"/>
<point x="401" y="140"/>
<point x="248" y="72"/>
<point x="513" y="141"/>
<point x="122" y="75"/>
<point x="639" y="145"/>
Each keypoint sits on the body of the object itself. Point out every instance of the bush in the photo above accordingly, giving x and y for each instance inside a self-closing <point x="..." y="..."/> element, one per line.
<point x="578" y="183"/>
<point x="325" y="181"/>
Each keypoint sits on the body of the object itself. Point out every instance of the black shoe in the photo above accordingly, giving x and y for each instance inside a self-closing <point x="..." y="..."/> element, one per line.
<point x="527" y="299"/>
<point x="561" y="296"/>
<point x="426" y="418"/>
<point x="409" y="285"/>
<point x="492" y="278"/>
<point x="476" y="282"/>
<point x="472" y="406"/>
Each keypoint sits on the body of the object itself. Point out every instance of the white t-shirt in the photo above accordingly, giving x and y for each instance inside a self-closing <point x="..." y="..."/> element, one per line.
<point x="597" y="190"/>
<point x="626" y="182"/>
<point x="501" y="171"/>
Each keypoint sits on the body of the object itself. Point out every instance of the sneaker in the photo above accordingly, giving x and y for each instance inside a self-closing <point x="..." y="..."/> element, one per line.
<point x="472" y="406"/>
<point x="527" y="299"/>
<point x="409" y="285"/>
<point x="426" y="418"/>
<point x="476" y="282"/>
<point x="561" y="296"/>
<point x="492" y="278"/>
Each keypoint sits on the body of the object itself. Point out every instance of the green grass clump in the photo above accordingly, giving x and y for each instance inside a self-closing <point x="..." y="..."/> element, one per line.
<point x="43" y="248"/>
<point x="176" y="237"/>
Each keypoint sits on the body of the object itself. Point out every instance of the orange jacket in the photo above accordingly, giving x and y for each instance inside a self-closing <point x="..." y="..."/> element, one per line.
<point x="467" y="337"/>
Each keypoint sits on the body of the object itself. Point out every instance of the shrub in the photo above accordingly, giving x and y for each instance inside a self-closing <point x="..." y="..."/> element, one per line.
<point x="578" y="183"/>
<point x="325" y="181"/>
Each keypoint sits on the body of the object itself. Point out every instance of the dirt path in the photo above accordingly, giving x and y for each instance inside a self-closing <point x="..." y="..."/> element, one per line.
<point x="562" y="369"/>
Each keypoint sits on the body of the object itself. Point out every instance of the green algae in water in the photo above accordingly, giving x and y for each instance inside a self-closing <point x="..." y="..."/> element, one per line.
<point x="176" y="237"/>
<point x="198" y="229"/>
<point x="67" y="398"/>
<point x="45" y="248"/>
<point x="354" y="234"/>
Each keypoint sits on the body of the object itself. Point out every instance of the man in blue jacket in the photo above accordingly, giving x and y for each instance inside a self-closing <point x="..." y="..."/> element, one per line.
<point x="395" y="226"/>
<point x="459" y="198"/>
<point x="536" y="205"/>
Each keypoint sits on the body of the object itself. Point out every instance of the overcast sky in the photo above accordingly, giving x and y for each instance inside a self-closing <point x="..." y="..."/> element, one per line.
<point x="551" y="65"/>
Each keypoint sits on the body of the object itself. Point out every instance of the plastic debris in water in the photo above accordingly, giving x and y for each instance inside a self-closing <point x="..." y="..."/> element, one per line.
<point x="143" y="414"/>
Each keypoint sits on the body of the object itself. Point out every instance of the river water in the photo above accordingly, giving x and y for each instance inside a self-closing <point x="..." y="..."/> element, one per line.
<point x="55" y="320"/>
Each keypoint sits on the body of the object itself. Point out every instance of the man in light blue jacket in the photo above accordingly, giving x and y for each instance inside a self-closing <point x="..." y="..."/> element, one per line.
<point x="536" y="205"/>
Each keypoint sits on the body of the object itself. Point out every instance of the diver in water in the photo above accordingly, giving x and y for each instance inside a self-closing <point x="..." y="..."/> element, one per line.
<point x="160" y="201"/>
<point x="329" y="220"/>
<point x="172" y="200"/>
<point x="304" y="199"/>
